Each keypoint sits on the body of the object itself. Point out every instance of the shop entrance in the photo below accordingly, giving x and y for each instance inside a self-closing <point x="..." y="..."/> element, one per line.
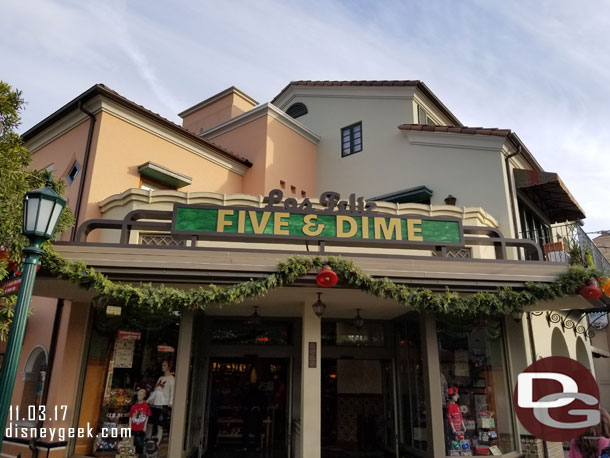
<point x="247" y="406"/>
<point x="357" y="408"/>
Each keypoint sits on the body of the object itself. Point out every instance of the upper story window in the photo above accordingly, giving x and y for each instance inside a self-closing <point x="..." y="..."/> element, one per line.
<point x="351" y="139"/>
<point x="424" y="118"/>
<point x="297" y="109"/>
<point x="73" y="172"/>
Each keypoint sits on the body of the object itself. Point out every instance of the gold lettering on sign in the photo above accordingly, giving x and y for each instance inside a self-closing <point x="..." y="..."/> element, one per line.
<point x="222" y="221"/>
<point x="365" y="227"/>
<point x="259" y="226"/>
<point x="413" y="232"/>
<point x="353" y="226"/>
<point x="280" y="224"/>
<point x="387" y="227"/>
<point x="241" y="222"/>
<point x="311" y="227"/>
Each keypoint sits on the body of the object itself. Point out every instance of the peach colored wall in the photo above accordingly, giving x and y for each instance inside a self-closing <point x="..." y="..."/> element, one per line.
<point x="250" y="142"/>
<point x="62" y="152"/>
<point x="291" y="159"/>
<point x="278" y="154"/>
<point x="216" y="113"/>
<point x="122" y="147"/>
<point x="38" y="332"/>
<point x="240" y="105"/>
<point x="67" y="363"/>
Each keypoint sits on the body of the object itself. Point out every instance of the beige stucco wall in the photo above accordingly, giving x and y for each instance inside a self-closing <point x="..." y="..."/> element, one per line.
<point x="470" y="167"/>
<point x="122" y="147"/>
<point x="216" y="113"/>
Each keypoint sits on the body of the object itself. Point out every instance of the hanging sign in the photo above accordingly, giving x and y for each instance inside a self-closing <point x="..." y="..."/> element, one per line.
<point x="132" y="335"/>
<point x="351" y="222"/>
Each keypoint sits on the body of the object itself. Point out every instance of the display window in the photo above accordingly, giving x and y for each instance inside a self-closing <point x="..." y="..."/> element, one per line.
<point x="474" y="388"/>
<point x="129" y="390"/>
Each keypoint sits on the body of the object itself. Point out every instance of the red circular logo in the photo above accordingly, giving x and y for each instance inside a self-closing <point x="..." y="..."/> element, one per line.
<point x="556" y="399"/>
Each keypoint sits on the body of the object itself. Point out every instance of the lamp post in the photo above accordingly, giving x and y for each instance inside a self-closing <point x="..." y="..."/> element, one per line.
<point x="41" y="211"/>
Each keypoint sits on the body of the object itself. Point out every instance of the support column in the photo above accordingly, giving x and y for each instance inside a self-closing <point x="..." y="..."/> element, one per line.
<point x="311" y="385"/>
<point x="181" y="391"/>
<point x="432" y="376"/>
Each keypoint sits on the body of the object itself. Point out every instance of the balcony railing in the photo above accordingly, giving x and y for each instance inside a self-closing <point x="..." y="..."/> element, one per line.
<point x="568" y="243"/>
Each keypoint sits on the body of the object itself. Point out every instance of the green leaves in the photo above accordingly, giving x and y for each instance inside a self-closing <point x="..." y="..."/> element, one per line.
<point x="159" y="301"/>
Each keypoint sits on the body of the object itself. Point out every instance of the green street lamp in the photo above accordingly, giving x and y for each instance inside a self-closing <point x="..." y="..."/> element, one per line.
<point x="41" y="211"/>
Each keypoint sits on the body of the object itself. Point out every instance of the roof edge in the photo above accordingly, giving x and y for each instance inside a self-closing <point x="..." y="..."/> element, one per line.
<point x="102" y="90"/>
<point x="377" y="83"/>
<point x="216" y="97"/>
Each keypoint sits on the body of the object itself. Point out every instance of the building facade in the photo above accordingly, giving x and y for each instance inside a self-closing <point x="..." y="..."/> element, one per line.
<point x="240" y="187"/>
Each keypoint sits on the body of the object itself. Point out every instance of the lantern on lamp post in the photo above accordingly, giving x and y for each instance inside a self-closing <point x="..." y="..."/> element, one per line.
<point x="41" y="211"/>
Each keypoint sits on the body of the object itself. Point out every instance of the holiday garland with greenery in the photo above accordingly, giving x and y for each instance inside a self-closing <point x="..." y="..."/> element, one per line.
<point x="162" y="300"/>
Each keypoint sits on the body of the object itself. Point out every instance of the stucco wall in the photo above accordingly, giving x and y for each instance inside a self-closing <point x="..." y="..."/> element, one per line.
<point x="469" y="168"/>
<point x="290" y="158"/>
<point x="61" y="154"/>
<point x="122" y="147"/>
<point x="216" y="113"/>
<point x="249" y="141"/>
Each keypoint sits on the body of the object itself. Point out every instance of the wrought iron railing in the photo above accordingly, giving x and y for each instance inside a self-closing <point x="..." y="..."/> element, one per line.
<point x="568" y="243"/>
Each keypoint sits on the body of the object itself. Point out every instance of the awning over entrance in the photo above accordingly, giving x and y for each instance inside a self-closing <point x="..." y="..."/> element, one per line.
<point x="547" y="191"/>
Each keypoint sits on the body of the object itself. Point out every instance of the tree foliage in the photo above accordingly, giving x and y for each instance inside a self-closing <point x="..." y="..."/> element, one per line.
<point x="16" y="178"/>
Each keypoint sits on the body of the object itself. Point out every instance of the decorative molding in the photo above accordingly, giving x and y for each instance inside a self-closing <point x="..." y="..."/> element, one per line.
<point x="453" y="140"/>
<point x="350" y="92"/>
<point x="266" y="109"/>
<point x="474" y="215"/>
<point x="215" y="98"/>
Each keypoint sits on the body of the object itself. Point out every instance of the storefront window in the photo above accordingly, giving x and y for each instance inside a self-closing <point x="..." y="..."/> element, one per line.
<point x="344" y="333"/>
<point x="411" y="394"/>
<point x="129" y="389"/>
<point x="475" y="396"/>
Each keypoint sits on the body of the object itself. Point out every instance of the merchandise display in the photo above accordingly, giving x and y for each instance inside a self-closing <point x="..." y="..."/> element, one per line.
<point x="472" y="365"/>
<point x="138" y="390"/>
<point x="247" y="404"/>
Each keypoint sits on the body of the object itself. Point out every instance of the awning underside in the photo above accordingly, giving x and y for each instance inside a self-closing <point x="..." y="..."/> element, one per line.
<point x="549" y="193"/>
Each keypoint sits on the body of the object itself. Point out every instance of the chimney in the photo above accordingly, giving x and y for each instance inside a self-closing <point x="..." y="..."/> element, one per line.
<point x="216" y="110"/>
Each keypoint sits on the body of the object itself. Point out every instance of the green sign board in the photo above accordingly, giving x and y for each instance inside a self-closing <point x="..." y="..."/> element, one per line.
<point x="351" y="228"/>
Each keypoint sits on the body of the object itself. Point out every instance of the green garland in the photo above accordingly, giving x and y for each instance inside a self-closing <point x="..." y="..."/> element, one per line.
<point x="156" y="299"/>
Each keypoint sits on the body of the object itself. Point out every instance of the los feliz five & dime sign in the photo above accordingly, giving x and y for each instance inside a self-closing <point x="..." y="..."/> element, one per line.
<point x="352" y="222"/>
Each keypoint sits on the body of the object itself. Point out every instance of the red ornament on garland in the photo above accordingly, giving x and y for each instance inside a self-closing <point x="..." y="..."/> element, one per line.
<point x="327" y="277"/>
<point x="591" y="291"/>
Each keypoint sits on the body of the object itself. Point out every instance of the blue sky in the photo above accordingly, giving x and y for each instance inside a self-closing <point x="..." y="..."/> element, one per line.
<point x="540" y="68"/>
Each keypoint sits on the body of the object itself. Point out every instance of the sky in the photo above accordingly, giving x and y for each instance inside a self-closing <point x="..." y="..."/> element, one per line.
<point x="540" y="68"/>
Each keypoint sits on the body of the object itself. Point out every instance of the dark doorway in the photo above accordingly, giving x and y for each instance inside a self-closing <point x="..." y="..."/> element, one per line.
<point x="357" y="408"/>
<point x="247" y="407"/>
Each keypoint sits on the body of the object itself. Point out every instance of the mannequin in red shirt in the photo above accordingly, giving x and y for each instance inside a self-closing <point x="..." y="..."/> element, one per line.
<point x="454" y="414"/>
<point x="138" y="419"/>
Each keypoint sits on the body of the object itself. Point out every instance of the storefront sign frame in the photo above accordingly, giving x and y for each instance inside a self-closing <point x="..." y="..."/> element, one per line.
<point x="351" y="222"/>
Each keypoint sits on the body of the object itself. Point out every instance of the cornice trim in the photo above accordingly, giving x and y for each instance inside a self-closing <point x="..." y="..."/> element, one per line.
<point x="267" y="109"/>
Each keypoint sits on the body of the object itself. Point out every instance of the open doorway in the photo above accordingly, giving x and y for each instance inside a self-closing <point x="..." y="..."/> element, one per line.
<point x="247" y="406"/>
<point x="357" y="408"/>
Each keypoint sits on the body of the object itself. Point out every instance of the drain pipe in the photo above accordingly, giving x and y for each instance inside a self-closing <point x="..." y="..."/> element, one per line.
<point x="512" y="195"/>
<point x="84" y="169"/>
<point x="47" y="376"/>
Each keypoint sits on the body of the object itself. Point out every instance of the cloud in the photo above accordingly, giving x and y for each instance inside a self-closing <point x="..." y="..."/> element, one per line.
<point x="540" y="68"/>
